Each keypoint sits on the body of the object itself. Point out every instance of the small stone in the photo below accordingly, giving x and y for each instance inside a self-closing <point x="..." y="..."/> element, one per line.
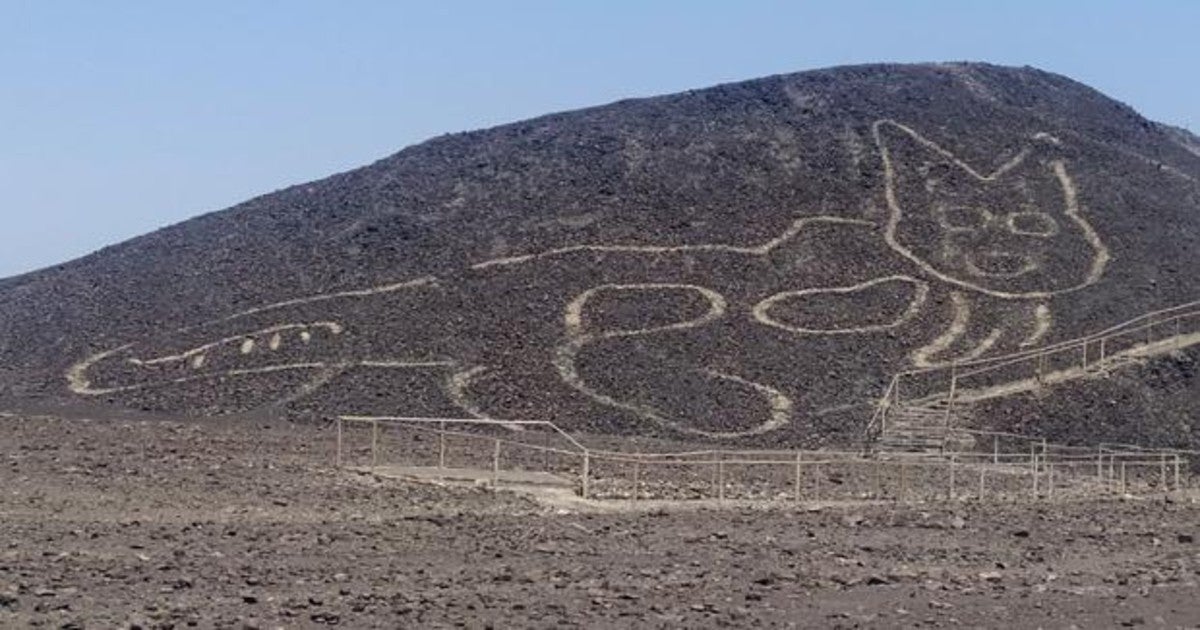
<point x="991" y="576"/>
<point x="1185" y="539"/>
<point x="328" y="619"/>
<point x="854" y="520"/>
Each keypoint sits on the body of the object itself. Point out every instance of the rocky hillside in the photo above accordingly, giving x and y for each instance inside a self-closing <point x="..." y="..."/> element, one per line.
<point x="748" y="262"/>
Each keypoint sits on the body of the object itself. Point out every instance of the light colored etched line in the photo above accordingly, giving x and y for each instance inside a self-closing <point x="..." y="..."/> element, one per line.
<point x="80" y="384"/>
<point x="1070" y="196"/>
<point x="973" y="267"/>
<point x="761" y="313"/>
<point x="794" y="229"/>
<point x="84" y="387"/>
<point x="780" y="406"/>
<point x="573" y="316"/>
<point x="457" y="386"/>
<point x="77" y="375"/>
<point x="1042" y="135"/>
<point x="936" y="148"/>
<point x="984" y="346"/>
<point x="1042" y="320"/>
<point x="402" y="364"/>
<point x="923" y="357"/>
<point x="565" y="360"/>
<point x="1050" y="226"/>
<point x="332" y="327"/>
<point x="456" y="390"/>
<point x="1070" y="200"/>
<point x="378" y="290"/>
<point x="322" y="379"/>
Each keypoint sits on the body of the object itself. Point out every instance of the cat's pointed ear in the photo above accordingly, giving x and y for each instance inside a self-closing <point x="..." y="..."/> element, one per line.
<point x="914" y="163"/>
<point x="916" y="167"/>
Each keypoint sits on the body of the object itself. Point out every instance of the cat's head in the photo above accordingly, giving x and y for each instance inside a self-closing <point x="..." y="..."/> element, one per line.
<point x="1015" y="231"/>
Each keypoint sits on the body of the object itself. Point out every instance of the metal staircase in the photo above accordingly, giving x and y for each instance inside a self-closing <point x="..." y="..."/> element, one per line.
<point x="931" y="426"/>
<point x="937" y="416"/>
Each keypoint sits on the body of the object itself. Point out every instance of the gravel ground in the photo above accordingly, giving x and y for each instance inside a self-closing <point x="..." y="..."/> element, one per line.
<point x="157" y="524"/>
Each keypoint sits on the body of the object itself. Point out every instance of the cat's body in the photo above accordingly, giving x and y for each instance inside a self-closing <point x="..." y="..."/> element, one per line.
<point x="685" y="337"/>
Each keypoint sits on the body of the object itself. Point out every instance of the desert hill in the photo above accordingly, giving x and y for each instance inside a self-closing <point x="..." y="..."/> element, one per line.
<point x="748" y="262"/>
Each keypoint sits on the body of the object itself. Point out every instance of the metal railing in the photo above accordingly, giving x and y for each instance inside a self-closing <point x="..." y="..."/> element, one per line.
<point x="1039" y="471"/>
<point x="967" y="381"/>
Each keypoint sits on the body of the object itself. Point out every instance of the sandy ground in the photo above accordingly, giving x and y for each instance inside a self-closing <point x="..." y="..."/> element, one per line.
<point x="157" y="524"/>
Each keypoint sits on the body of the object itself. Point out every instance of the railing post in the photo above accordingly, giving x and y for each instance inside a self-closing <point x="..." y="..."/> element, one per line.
<point x="1103" y="340"/>
<point x="903" y="481"/>
<point x="817" y="476"/>
<point x="338" y="457"/>
<point x="878" y="490"/>
<point x="1176" y="471"/>
<point x="637" y="473"/>
<point x="950" y="493"/>
<point x="1033" y="467"/>
<point x="982" y="472"/>
<point x="1162" y="470"/>
<point x="721" y="476"/>
<point x="1041" y="367"/>
<point x="1084" y="360"/>
<point x="950" y="400"/>
<point x="798" y="476"/>
<point x="995" y="449"/>
<point x="374" y="444"/>
<point x="583" y="474"/>
<point x="496" y="465"/>
<point x="1124" y="483"/>
<point x="442" y="446"/>
<point x="1050" y="481"/>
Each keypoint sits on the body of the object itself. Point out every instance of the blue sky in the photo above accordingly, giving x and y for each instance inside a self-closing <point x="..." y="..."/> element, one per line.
<point x="119" y="117"/>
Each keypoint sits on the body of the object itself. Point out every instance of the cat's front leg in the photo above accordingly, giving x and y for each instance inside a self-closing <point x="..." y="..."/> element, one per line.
<point x="978" y="327"/>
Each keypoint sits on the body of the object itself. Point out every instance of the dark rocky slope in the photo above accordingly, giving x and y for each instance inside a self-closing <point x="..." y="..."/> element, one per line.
<point x="750" y="260"/>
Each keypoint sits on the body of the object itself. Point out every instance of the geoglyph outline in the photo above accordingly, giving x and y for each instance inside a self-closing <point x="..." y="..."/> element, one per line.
<point x="781" y="407"/>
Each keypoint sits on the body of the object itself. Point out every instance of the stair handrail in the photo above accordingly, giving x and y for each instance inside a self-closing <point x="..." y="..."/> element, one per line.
<point x="1074" y="344"/>
<point x="878" y="422"/>
<point x="890" y="398"/>
<point x="1189" y="309"/>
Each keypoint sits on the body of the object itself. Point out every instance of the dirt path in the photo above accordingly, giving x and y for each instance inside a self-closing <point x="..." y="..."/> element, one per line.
<point x="164" y="524"/>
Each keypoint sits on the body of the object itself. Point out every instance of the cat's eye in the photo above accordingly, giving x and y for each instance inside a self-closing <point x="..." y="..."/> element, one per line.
<point x="1037" y="224"/>
<point x="963" y="217"/>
